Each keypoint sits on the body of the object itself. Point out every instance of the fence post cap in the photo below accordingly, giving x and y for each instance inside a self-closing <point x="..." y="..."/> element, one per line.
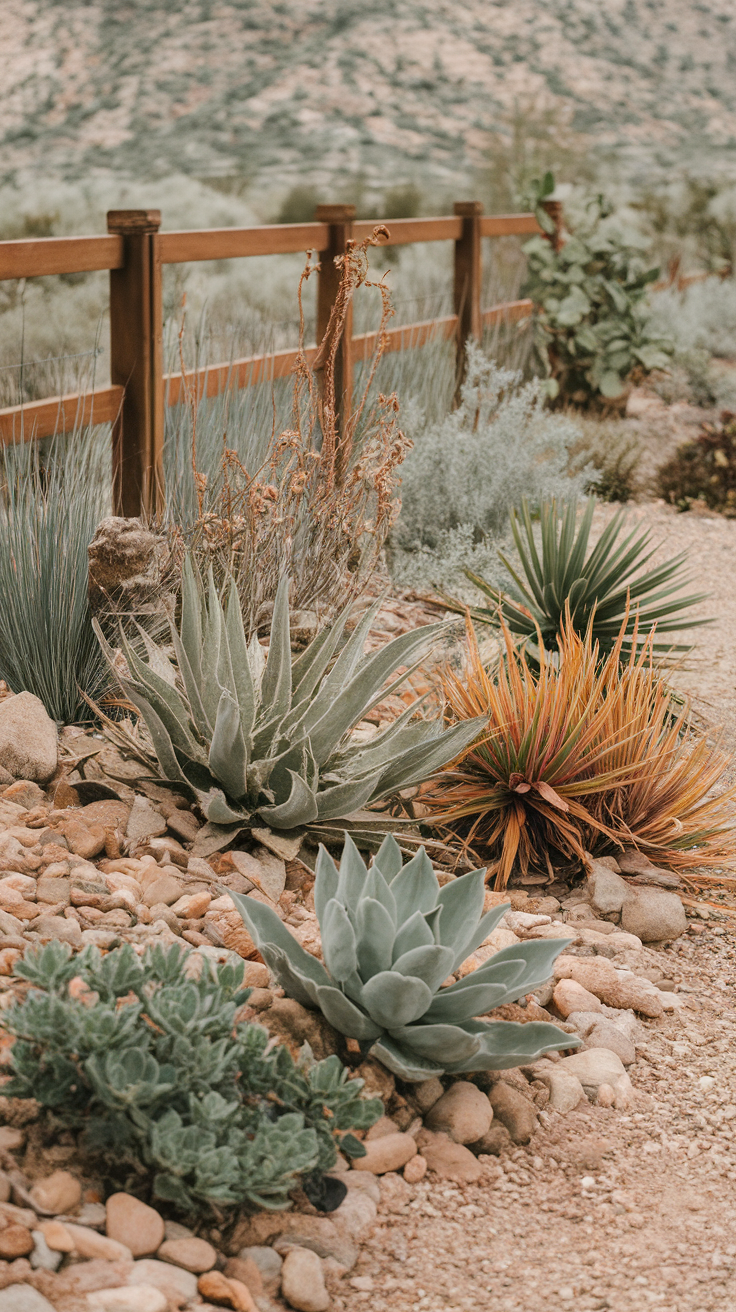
<point x="334" y="213"/>
<point x="125" y="221"/>
<point x="468" y="208"/>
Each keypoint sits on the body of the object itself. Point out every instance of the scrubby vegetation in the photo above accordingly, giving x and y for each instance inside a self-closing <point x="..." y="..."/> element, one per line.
<point x="150" y="1062"/>
<point x="705" y="470"/>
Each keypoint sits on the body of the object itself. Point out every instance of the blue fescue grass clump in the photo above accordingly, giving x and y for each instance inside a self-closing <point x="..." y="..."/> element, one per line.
<point x="52" y="496"/>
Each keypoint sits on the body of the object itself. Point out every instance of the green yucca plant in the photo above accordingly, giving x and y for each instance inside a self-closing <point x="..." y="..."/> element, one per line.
<point x="390" y="937"/>
<point x="604" y="587"/>
<point x="249" y="736"/>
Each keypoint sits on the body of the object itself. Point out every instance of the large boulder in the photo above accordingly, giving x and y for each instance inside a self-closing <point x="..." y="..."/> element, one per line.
<point x="28" y="738"/>
<point x="653" y="914"/>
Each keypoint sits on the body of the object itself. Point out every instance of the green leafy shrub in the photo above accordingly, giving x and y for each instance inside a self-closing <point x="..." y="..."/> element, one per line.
<point x="704" y="470"/>
<point x="152" y="1064"/>
<point x="594" y="331"/>
<point x="248" y="736"/>
<point x="390" y="937"/>
<point x="601" y="587"/>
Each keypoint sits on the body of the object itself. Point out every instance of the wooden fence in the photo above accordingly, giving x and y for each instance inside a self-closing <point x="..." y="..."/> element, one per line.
<point x="135" y="251"/>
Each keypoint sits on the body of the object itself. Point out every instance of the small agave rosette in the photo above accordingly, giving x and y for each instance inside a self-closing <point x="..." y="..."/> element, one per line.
<point x="390" y="937"/>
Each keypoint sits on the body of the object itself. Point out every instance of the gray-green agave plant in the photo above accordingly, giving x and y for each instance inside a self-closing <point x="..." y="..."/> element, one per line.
<point x="390" y="937"/>
<point x="250" y="736"/>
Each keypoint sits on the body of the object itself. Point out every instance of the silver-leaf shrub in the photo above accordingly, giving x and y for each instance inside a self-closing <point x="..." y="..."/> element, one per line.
<point x="390" y="937"/>
<point x="249" y="736"/>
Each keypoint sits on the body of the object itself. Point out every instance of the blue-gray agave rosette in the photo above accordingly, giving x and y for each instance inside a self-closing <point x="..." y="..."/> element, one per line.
<point x="270" y="738"/>
<point x="390" y="937"/>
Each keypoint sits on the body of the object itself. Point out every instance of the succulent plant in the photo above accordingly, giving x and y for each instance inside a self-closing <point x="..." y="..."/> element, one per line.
<point x="153" y="1066"/>
<point x="250" y="736"/>
<point x="390" y="937"/>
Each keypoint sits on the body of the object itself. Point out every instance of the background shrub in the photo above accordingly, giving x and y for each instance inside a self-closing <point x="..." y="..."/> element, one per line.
<point x="470" y="467"/>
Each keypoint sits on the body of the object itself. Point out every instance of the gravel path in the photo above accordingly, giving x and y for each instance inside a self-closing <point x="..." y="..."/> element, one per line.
<point x="708" y="675"/>
<point x="601" y="1210"/>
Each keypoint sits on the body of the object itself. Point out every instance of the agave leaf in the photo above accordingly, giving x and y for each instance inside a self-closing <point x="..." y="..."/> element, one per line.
<point x="245" y="693"/>
<point x="443" y="1043"/>
<point x="166" y="701"/>
<point x="343" y="799"/>
<point x="388" y="858"/>
<point x="472" y="1001"/>
<point x="276" y="685"/>
<point x="392" y="1000"/>
<point x="228" y="759"/>
<point x="377" y="888"/>
<point x="375" y="929"/>
<point x="484" y="927"/>
<point x="266" y="929"/>
<point x="158" y="661"/>
<point x="309" y="668"/>
<point x="191" y="617"/>
<point x="300" y="808"/>
<point x="505" y="1043"/>
<point x="162" y="744"/>
<point x="396" y="738"/>
<point x="329" y="720"/>
<point x="418" y="762"/>
<point x="522" y="967"/>
<point x="326" y="881"/>
<point x="415" y="886"/>
<point x="430" y="963"/>
<point x="211" y="643"/>
<point x="352" y="653"/>
<point x="404" y="1062"/>
<point x="218" y="809"/>
<point x="462" y="903"/>
<point x="192" y="686"/>
<point x="345" y="1016"/>
<point x="414" y="933"/>
<point x="352" y="874"/>
<point x="339" y="947"/>
<point x="297" y="985"/>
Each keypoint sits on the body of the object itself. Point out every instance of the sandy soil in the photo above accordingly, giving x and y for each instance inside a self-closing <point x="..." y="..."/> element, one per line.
<point x="601" y="1210"/>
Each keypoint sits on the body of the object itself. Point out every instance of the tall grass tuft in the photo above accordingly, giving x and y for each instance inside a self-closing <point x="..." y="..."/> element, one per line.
<point x="52" y="495"/>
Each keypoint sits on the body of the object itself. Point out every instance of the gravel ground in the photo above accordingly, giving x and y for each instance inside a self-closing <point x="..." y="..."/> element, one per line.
<point x="708" y="674"/>
<point x="601" y="1210"/>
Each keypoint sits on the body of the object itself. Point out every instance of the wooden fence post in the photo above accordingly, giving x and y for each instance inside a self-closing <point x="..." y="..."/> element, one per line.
<point x="136" y="363"/>
<point x="467" y="283"/>
<point x="339" y="219"/>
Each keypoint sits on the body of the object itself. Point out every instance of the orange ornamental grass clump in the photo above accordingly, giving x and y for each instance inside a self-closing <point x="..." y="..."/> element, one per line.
<point x="578" y="754"/>
<point x="667" y="806"/>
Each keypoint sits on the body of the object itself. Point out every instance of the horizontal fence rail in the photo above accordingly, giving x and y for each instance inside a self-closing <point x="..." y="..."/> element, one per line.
<point x="135" y="251"/>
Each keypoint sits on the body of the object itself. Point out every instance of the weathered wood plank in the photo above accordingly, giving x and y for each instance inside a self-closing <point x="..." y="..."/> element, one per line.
<point x="59" y="414"/>
<point x="42" y="256"/>
<point x="233" y="243"/>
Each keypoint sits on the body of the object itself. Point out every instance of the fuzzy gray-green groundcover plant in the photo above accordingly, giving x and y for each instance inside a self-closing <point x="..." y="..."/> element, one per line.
<point x="390" y="937"/>
<point x="249" y="736"/>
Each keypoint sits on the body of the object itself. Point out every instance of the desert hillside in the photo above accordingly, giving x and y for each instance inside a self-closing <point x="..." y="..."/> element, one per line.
<point x="402" y="90"/>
